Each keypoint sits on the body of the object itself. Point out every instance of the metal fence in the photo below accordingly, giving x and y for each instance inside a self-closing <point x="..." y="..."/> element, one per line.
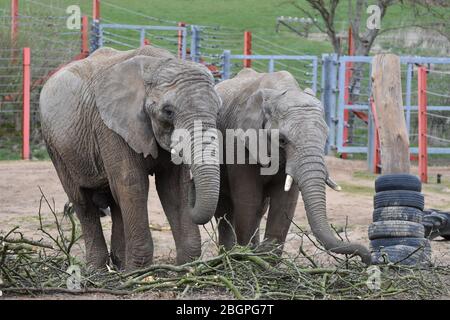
<point x="340" y="96"/>
<point x="125" y="36"/>
<point x="230" y="68"/>
<point x="52" y="45"/>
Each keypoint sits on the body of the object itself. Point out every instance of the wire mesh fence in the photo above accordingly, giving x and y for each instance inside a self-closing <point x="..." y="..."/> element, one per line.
<point x="52" y="45"/>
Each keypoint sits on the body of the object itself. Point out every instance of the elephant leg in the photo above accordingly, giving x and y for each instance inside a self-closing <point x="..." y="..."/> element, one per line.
<point x="260" y="214"/>
<point x="281" y="212"/>
<point x="118" y="252"/>
<point x="247" y="198"/>
<point x="96" y="250"/>
<point x="227" y="236"/>
<point x="88" y="214"/>
<point x="173" y="185"/>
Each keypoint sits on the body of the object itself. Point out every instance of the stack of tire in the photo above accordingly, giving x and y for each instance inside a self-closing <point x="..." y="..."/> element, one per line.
<point x="397" y="234"/>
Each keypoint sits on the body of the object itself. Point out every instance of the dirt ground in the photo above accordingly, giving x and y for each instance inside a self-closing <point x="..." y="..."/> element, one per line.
<point x="349" y="210"/>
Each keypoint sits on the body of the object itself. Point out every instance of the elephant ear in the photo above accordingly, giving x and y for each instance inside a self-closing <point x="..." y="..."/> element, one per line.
<point x="259" y="107"/>
<point x="255" y="112"/>
<point x="120" y="96"/>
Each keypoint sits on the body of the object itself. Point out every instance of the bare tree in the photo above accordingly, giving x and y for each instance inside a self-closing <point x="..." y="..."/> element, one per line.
<point x="323" y="15"/>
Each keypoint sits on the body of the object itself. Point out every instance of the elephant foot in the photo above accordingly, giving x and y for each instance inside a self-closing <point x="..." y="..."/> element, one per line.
<point x="118" y="260"/>
<point x="270" y="246"/>
<point x="98" y="261"/>
<point x="186" y="256"/>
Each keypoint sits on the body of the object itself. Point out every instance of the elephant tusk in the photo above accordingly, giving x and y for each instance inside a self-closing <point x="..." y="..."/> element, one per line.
<point x="173" y="151"/>
<point x="333" y="185"/>
<point x="190" y="175"/>
<point x="288" y="183"/>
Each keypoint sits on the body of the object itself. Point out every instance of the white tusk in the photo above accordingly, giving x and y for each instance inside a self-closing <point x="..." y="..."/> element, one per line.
<point x="106" y="211"/>
<point x="288" y="183"/>
<point x="333" y="185"/>
<point x="173" y="151"/>
<point x="190" y="175"/>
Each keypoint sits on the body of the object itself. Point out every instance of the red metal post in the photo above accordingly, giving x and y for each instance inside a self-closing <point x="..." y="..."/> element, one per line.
<point x="348" y="76"/>
<point x="84" y="36"/>
<point x="180" y="40"/>
<point x="26" y="104"/>
<point x="247" y="48"/>
<point x="96" y="10"/>
<point x="422" y="99"/>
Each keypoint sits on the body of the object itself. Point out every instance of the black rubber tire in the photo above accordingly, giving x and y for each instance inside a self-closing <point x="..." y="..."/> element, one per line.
<point x="397" y="213"/>
<point x="395" y="229"/>
<point x="400" y="254"/>
<point x="399" y="198"/>
<point x="376" y="244"/>
<point x="403" y="181"/>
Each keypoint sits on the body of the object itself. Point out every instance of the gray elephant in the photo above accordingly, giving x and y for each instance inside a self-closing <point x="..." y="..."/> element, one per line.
<point x="107" y="121"/>
<point x="254" y="100"/>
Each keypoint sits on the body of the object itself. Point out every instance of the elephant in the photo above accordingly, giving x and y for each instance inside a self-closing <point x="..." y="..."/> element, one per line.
<point x="108" y="122"/>
<point x="253" y="100"/>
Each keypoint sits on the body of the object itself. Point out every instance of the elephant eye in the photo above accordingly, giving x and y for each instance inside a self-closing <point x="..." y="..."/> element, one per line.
<point x="168" y="112"/>
<point x="283" y="141"/>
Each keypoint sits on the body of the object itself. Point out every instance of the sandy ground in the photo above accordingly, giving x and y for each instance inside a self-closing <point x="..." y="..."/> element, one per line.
<point x="349" y="210"/>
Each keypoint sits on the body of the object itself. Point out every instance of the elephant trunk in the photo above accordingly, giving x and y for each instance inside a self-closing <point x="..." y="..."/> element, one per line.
<point x="205" y="174"/>
<point x="311" y="181"/>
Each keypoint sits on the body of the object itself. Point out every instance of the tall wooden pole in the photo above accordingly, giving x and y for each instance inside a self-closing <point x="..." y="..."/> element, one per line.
<point x="387" y="97"/>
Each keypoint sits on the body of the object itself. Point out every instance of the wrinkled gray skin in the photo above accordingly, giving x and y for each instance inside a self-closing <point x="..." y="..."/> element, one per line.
<point x="107" y="121"/>
<point x="275" y="101"/>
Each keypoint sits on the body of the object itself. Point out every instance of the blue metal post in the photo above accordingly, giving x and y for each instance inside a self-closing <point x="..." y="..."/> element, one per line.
<point x="195" y="43"/>
<point x="341" y="106"/>
<point x="142" y="36"/>
<point x="100" y="36"/>
<point x="325" y="96"/>
<point x="184" y="44"/>
<point x="314" y="75"/>
<point x="271" y="65"/>
<point x="226" y="65"/>
<point x="329" y="90"/>
<point x="94" y="36"/>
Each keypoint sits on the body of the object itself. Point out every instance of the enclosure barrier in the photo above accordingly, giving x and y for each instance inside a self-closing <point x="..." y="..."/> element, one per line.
<point x="336" y="68"/>
<point x="247" y="48"/>
<point x="227" y="57"/>
<point x="105" y="36"/>
<point x="26" y="104"/>
<point x="422" y="98"/>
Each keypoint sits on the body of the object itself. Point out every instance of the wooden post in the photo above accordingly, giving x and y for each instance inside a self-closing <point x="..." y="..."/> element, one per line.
<point x="422" y="99"/>
<point x="348" y="76"/>
<point x="247" y="48"/>
<point x="84" y="36"/>
<point x="26" y="104"/>
<point x="180" y="40"/>
<point x="387" y="96"/>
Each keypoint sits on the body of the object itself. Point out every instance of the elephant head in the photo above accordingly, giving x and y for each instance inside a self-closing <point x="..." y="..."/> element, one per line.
<point x="299" y="117"/>
<point x="144" y="99"/>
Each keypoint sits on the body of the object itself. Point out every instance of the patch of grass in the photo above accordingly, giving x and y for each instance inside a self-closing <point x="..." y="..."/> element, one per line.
<point x="356" y="189"/>
<point x="364" y="175"/>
